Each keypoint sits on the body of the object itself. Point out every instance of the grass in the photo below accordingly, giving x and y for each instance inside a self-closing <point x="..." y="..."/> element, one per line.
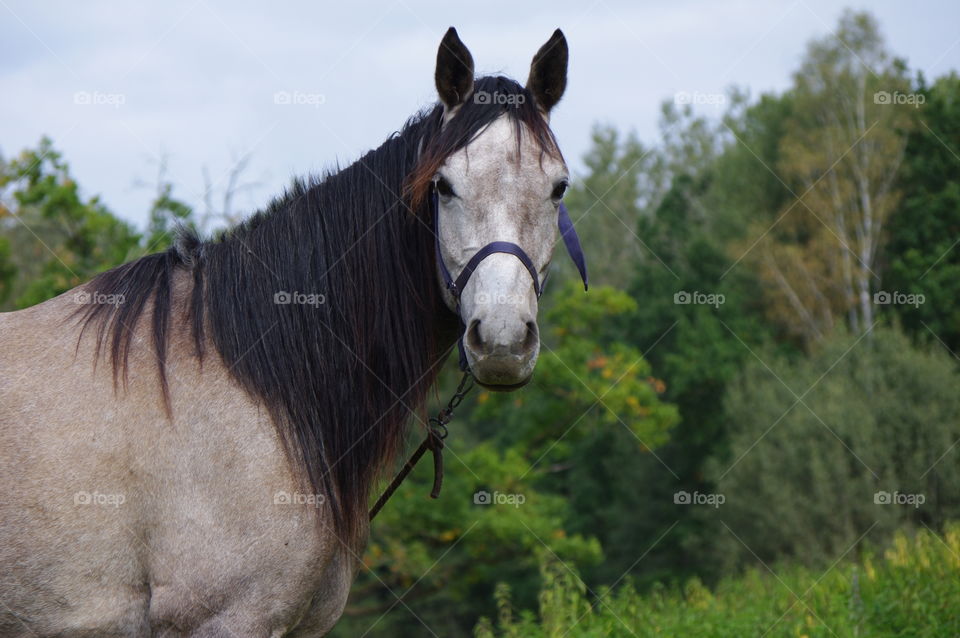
<point x="912" y="590"/>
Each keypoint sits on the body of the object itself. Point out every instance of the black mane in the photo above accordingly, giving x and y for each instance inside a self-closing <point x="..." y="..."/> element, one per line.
<point x="339" y="378"/>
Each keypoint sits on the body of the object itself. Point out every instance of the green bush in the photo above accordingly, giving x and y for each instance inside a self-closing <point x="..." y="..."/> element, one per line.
<point x="913" y="589"/>
<point x="802" y="478"/>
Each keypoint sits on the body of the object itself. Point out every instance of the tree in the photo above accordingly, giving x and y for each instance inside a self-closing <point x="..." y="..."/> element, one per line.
<point x="7" y="268"/>
<point x="592" y="399"/>
<point x="166" y="213"/>
<point x="605" y="204"/>
<point x="627" y="180"/>
<point x="923" y="250"/>
<point x="697" y="348"/>
<point x="840" y="156"/>
<point x="56" y="239"/>
<point x="805" y="479"/>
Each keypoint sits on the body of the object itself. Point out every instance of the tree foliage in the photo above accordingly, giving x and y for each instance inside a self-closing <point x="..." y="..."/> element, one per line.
<point x="53" y="238"/>
<point x="815" y="439"/>
<point x="922" y="253"/>
<point x="839" y="157"/>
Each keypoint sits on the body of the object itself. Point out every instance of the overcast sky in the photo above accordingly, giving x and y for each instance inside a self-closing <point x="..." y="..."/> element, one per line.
<point x="196" y="80"/>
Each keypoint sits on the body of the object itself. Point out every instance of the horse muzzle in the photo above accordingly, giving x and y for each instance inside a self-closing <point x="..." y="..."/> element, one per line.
<point x="502" y="352"/>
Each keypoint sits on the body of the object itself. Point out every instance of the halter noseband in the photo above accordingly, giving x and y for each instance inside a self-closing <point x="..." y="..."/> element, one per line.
<point x="456" y="286"/>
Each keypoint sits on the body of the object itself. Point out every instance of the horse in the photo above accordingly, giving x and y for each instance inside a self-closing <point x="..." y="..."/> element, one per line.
<point x="188" y="442"/>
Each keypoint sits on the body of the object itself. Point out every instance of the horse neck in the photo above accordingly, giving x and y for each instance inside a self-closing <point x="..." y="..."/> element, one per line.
<point x="351" y="362"/>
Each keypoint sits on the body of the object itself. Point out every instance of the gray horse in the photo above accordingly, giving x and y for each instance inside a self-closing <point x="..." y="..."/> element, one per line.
<point x="188" y="443"/>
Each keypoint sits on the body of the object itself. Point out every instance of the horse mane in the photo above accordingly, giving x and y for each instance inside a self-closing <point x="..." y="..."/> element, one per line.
<point x="339" y="377"/>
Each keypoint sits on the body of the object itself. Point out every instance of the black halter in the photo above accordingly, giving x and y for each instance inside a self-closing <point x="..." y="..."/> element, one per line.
<point x="456" y="286"/>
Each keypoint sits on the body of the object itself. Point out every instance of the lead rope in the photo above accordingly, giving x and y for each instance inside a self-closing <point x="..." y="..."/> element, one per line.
<point x="436" y="433"/>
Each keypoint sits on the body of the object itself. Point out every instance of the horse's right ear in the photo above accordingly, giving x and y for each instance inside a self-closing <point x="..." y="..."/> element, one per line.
<point x="454" y="75"/>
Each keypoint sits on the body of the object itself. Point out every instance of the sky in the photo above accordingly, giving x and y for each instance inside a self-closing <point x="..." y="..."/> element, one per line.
<point x="300" y="87"/>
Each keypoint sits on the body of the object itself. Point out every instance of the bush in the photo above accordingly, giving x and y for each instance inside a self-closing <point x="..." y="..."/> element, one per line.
<point x="803" y="477"/>
<point x="912" y="590"/>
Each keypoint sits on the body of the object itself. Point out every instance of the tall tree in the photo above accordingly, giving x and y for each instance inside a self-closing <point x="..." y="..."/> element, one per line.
<point x="840" y="156"/>
<point x="923" y="253"/>
<point x="605" y="204"/>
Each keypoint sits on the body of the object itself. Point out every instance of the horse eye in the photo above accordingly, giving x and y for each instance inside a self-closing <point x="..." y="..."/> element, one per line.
<point x="559" y="190"/>
<point x="444" y="187"/>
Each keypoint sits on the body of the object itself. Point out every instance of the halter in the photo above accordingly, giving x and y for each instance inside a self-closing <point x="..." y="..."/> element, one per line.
<point x="456" y="286"/>
<point x="437" y="427"/>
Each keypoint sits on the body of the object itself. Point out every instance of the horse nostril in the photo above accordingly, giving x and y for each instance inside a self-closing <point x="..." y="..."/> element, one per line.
<point x="533" y="337"/>
<point x="474" y="340"/>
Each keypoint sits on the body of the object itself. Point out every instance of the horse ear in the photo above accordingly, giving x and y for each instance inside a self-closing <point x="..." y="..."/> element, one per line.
<point x="548" y="72"/>
<point x="454" y="75"/>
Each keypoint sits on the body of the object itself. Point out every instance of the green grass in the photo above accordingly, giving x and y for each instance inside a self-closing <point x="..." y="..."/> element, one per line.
<point x="912" y="590"/>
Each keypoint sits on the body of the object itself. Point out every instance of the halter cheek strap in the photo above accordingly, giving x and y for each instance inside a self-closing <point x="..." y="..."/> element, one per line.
<point x="456" y="286"/>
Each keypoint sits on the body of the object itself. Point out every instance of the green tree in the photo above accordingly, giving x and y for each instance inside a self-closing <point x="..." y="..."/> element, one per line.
<point x="594" y="416"/>
<point x="923" y="251"/>
<point x="605" y="204"/>
<point x="840" y="156"/>
<point x="697" y="348"/>
<point x="815" y="439"/>
<point x="56" y="239"/>
<point x="167" y="214"/>
<point x="7" y="268"/>
<point x="593" y="404"/>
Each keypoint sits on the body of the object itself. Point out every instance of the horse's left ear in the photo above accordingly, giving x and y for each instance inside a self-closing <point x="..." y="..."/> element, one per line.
<point x="548" y="72"/>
